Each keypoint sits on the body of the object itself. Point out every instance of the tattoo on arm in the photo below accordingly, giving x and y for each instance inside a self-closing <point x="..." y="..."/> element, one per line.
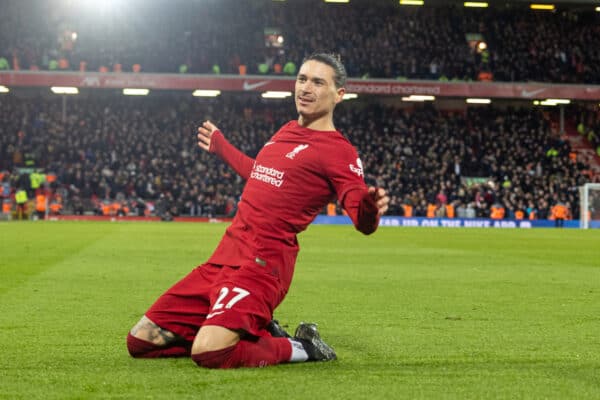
<point x="147" y="330"/>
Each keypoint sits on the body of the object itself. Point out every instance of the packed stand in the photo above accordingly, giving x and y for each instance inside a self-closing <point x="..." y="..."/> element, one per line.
<point x="139" y="156"/>
<point x="381" y="40"/>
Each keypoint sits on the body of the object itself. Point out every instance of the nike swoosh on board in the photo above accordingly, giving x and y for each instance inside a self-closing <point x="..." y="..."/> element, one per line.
<point x="251" y="86"/>
<point x="531" y="93"/>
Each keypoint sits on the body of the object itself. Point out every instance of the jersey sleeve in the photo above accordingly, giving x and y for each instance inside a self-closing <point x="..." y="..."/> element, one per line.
<point x="240" y="162"/>
<point x="345" y="171"/>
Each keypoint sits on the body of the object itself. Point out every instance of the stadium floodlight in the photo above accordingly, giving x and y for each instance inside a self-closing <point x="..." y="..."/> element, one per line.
<point x="559" y="101"/>
<point x="475" y="100"/>
<point x="412" y="2"/>
<point x="476" y="4"/>
<point x="545" y="7"/>
<point x="598" y="9"/>
<point x="4" y="89"/>
<point x="276" y="95"/>
<point x="418" y="97"/>
<point x="206" y="93"/>
<point x="135" y="92"/>
<point x="337" y="1"/>
<point x="64" y="90"/>
<point x="551" y="102"/>
<point x="348" y="96"/>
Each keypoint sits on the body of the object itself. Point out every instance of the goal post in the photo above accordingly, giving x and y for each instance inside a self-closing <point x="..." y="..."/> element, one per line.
<point x="589" y="205"/>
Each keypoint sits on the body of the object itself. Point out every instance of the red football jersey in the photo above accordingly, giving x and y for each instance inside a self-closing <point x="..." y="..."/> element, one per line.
<point x="296" y="173"/>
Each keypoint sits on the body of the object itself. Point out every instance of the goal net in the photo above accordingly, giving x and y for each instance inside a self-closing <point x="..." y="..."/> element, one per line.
<point x="589" y="198"/>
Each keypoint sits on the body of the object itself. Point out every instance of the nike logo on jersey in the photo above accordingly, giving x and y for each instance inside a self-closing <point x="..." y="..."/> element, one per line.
<point x="296" y="150"/>
<point x="358" y="169"/>
<point x="213" y="314"/>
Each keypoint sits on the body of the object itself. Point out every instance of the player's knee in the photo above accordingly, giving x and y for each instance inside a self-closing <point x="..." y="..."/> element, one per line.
<point x="213" y="346"/>
<point x="212" y="338"/>
<point x="214" y="359"/>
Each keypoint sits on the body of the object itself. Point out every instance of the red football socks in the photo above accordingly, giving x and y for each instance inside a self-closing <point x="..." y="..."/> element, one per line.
<point x="258" y="353"/>
<point x="139" y="348"/>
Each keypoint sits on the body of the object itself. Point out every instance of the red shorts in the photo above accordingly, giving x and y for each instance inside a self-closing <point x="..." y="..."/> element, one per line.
<point x="237" y="298"/>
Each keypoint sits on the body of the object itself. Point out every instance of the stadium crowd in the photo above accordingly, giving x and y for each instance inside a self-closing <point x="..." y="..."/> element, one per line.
<point x="588" y="125"/>
<point x="386" y="41"/>
<point x="141" y="155"/>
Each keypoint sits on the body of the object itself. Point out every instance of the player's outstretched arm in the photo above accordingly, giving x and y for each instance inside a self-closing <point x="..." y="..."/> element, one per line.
<point x="364" y="207"/>
<point x="212" y="140"/>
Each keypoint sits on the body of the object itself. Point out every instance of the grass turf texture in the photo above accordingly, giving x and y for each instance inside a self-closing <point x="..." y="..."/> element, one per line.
<point x="412" y="313"/>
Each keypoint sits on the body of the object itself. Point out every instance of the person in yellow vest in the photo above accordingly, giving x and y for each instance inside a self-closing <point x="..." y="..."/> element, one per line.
<point x="21" y="200"/>
<point x="497" y="211"/>
<point x="559" y="212"/>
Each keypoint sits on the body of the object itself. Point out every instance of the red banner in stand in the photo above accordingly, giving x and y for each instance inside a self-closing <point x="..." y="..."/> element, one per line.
<point x="259" y="83"/>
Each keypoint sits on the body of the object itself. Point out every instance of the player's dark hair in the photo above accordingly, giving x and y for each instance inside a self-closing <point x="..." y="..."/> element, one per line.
<point x="334" y="61"/>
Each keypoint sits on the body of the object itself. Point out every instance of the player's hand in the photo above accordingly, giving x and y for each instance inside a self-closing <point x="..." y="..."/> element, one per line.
<point x="205" y="134"/>
<point x="381" y="199"/>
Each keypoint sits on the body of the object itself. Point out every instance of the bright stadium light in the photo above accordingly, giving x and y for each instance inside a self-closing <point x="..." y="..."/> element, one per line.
<point x="349" y="96"/>
<point x="418" y="97"/>
<point x="412" y="2"/>
<point x="547" y="103"/>
<point x="276" y="95"/>
<point x="206" y="93"/>
<point x="598" y="9"/>
<point x="135" y="92"/>
<point x="546" y="7"/>
<point x="64" y="90"/>
<point x="475" y="100"/>
<point x="4" y="89"/>
<point x="559" y="101"/>
<point x="476" y="4"/>
<point x="337" y="1"/>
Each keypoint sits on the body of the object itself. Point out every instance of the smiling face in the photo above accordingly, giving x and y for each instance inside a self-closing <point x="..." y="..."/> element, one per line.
<point x="316" y="95"/>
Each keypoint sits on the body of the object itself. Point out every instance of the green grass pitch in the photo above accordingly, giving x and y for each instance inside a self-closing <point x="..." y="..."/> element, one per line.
<point x="412" y="312"/>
